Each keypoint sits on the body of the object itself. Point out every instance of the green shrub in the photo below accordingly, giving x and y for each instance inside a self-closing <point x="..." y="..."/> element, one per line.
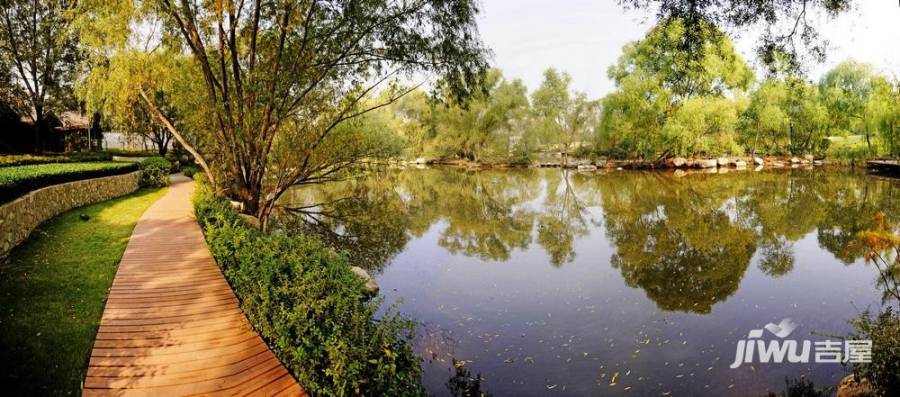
<point x="189" y="170"/>
<point x="90" y="156"/>
<point x="311" y="309"/>
<point x="16" y="181"/>
<point x="132" y="153"/>
<point x="13" y="160"/>
<point x="155" y="172"/>
<point x="884" y="332"/>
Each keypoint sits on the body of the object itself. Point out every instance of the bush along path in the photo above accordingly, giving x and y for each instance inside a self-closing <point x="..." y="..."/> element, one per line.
<point x="314" y="311"/>
<point x="172" y="325"/>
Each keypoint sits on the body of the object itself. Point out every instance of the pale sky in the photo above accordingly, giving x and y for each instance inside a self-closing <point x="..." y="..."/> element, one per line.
<point x="584" y="37"/>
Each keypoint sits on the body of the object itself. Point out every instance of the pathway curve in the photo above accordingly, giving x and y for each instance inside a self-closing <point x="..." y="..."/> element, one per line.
<point x="172" y="325"/>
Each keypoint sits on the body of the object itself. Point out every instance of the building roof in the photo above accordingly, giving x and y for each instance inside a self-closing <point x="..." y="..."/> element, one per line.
<point x="64" y="121"/>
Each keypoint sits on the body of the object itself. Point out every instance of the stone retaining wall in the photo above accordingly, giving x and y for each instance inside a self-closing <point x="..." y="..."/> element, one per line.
<point x="20" y="216"/>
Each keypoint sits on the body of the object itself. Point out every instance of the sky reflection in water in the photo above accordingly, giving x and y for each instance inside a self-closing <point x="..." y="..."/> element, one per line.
<point x="548" y="282"/>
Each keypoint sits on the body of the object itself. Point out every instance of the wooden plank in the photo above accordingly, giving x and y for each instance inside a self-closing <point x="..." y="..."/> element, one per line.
<point x="171" y="325"/>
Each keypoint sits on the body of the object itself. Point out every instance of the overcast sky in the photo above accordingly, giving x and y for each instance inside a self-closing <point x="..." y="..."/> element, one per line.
<point x="584" y="37"/>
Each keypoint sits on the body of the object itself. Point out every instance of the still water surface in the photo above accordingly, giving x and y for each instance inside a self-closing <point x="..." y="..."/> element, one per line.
<point x="545" y="282"/>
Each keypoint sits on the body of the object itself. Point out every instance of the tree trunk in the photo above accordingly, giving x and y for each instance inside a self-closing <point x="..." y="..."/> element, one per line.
<point x="183" y="142"/>
<point x="38" y="127"/>
<point x="250" y="195"/>
<point x="162" y="144"/>
<point x="868" y="141"/>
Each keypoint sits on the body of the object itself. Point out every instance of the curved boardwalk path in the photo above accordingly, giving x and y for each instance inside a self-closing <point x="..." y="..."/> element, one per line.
<point x="172" y="325"/>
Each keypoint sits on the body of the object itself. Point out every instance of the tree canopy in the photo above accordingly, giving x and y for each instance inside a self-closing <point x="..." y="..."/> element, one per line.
<point x="39" y="50"/>
<point x="273" y="82"/>
<point x="788" y="38"/>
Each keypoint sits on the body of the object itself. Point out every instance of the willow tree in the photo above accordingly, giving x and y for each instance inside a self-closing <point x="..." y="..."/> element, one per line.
<point x="481" y="128"/>
<point x="566" y="118"/>
<point x="655" y="78"/>
<point x="280" y="76"/>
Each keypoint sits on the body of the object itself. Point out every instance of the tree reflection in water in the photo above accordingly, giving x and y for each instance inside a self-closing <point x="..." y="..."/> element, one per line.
<point x="463" y="384"/>
<point x="686" y="241"/>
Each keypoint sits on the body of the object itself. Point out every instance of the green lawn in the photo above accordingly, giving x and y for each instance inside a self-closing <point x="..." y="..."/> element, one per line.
<point x="52" y="291"/>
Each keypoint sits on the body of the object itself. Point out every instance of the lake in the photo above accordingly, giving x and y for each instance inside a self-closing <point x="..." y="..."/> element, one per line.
<point x="533" y="282"/>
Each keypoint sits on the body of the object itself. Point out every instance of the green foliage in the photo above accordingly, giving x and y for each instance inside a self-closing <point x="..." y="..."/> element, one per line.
<point x="303" y="299"/>
<point x="862" y="102"/>
<point x="786" y="37"/>
<point x="665" y="105"/>
<point x="38" y="37"/>
<point x="11" y="160"/>
<point x="883" y="111"/>
<point x="880" y="244"/>
<point x="786" y="116"/>
<point x="131" y="153"/>
<point x="703" y="125"/>
<point x="155" y="172"/>
<point x="114" y="86"/>
<point x="849" y="149"/>
<point x="883" y="330"/>
<point x="54" y="288"/>
<point x="659" y="56"/>
<point x="297" y="72"/>
<point x="16" y="181"/>
<point x="189" y="171"/>
<point x="482" y="128"/>
<point x="563" y="118"/>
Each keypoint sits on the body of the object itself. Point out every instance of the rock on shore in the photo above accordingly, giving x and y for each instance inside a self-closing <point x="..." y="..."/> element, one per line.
<point x="371" y="286"/>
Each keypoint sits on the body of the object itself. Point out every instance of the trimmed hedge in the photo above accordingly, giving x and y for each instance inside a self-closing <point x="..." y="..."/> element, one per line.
<point x="132" y="153"/>
<point x="14" y="160"/>
<point x="303" y="299"/>
<point x="17" y="181"/>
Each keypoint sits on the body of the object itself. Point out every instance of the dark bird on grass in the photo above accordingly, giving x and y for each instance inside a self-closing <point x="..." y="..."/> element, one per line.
<point x="84" y="217"/>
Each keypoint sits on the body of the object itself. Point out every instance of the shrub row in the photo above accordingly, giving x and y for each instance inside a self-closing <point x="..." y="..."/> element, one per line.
<point x="132" y="153"/>
<point x="311" y="309"/>
<point x="16" y="181"/>
<point x="13" y="160"/>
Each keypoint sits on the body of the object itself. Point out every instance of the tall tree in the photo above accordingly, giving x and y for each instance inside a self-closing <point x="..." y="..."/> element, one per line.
<point x="112" y="88"/>
<point x="846" y="90"/>
<point x="785" y="116"/>
<point x="884" y="110"/>
<point x="279" y="77"/>
<point x="566" y="118"/>
<point x="39" y="43"/>
<point x="480" y="128"/>
<point x="655" y="78"/>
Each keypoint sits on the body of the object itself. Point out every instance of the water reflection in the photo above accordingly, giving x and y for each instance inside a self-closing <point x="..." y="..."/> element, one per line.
<point x="555" y="281"/>
<point x="686" y="241"/>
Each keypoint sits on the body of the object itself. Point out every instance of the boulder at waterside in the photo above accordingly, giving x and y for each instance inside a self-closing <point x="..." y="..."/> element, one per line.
<point x="371" y="286"/>
<point x="706" y="163"/>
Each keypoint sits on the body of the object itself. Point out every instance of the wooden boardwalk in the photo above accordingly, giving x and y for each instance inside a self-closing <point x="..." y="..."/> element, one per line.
<point x="884" y="166"/>
<point x="172" y="325"/>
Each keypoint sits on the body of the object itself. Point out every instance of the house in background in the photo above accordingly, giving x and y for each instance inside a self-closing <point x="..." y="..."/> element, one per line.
<point x="68" y="132"/>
